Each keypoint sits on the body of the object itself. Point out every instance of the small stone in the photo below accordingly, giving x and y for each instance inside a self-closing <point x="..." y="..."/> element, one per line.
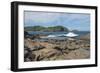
<point x="25" y="51"/>
<point x="27" y="60"/>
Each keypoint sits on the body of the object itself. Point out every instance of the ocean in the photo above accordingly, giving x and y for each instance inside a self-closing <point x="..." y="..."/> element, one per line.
<point x="80" y="33"/>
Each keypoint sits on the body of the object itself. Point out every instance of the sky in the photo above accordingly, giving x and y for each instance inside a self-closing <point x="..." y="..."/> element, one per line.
<point x="73" y="21"/>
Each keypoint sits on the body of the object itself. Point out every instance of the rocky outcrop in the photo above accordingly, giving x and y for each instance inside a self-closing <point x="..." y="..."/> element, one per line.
<point x="85" y="37"/>
<point x="78" y="54"/>
<point x="56" y="50"/>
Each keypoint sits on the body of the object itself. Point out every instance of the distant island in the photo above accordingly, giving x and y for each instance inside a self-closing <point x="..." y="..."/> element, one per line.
<point x="47" y="29"/>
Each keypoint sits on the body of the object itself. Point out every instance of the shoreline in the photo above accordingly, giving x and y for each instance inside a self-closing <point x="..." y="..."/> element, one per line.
<point x="56" y="49"/>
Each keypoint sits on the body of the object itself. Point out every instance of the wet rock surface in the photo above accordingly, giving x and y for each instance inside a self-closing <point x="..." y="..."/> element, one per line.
<point x="56" y="50"/>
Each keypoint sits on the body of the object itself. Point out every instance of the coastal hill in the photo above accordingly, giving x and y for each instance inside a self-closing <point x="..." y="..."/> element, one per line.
<point x="47" y="29"/>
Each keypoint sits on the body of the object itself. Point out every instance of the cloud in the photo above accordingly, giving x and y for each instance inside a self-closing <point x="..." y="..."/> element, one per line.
<point x="40" y="17"/>
<point x="70" y="20"/>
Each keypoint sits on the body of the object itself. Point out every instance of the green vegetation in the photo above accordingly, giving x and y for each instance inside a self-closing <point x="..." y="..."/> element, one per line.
<point x="34" y="28"/>
<point x="49" y="29"/>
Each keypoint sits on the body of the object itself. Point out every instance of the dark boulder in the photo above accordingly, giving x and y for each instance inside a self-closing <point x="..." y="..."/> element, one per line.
<point x="26" y="34"/>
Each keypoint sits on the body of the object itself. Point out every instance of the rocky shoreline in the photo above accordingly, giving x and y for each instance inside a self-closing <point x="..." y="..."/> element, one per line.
<point x="56" y="49"/>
